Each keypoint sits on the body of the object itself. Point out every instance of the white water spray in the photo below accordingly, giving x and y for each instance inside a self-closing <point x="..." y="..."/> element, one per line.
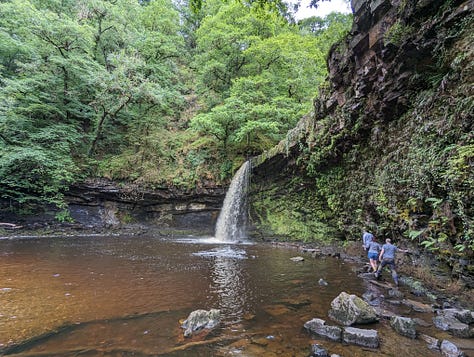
<point x="232" y="221"/>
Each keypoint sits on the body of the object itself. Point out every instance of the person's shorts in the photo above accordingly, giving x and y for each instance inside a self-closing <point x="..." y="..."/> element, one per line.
<point x="373" y="255"/>
<point x="389" y="262"/>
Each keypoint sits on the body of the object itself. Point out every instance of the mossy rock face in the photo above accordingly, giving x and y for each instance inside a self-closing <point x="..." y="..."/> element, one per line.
<point x="351" y="309"/>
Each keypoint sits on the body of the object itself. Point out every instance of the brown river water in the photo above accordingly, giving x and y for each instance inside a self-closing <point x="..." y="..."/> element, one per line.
<point x="126" y="296"/>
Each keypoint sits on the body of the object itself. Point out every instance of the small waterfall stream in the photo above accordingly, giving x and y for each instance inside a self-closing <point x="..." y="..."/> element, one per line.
<point x="232" y="221"/>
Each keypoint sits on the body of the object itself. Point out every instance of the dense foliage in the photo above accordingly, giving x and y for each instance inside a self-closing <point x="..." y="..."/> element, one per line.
<point x="150" y="91"/>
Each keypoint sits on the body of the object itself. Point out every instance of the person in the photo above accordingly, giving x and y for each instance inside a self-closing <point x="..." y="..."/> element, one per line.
<point x="366" y="239"/>
<point x="387" y="258"/>
<point x="373" y="253"/>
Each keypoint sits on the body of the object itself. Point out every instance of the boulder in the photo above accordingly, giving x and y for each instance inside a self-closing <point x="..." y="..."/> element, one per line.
<point x="319" y="327"/>
<point x="350" y="309"/>
<point x="465" y="316"/>
<point x="200" y="319"/>
<point x="448" y="322"/>
<point x="449" y="349"/>
<point x="361" y="337"/>
<point x="404" y="326"/>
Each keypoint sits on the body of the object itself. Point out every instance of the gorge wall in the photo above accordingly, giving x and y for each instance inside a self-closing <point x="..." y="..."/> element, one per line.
<point x="390" y="145"/>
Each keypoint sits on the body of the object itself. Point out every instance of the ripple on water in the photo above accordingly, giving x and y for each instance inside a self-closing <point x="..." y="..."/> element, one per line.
<point x="223" y="252"/>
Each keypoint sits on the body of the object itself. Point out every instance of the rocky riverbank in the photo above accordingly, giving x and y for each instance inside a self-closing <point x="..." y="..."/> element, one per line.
<point x="446" y="323"/>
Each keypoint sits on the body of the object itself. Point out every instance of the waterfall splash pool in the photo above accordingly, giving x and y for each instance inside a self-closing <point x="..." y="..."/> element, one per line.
<point x="126" y="295"/>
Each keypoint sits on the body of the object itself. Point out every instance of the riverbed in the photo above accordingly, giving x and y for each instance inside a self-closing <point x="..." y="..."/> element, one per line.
<point x="126" y="295"/>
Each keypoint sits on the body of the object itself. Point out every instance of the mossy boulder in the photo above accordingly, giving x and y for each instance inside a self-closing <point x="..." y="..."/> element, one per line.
<point x="351" y="309"/>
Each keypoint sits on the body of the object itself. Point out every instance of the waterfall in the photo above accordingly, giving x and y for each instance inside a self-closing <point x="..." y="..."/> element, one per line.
<point x="232" y="221"/>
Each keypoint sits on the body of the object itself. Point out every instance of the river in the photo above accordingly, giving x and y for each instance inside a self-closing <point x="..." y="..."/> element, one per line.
<point x="125" y="295"/>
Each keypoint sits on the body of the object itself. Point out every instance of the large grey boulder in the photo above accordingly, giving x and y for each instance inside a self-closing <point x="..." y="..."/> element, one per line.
<point x="319" y="327"/>
<point x="201" y="319"/>
<point x="404" y="326"/>
<point x="361" y="337"/>
<point x="465" y="316"/>
<point x="448" y="322"/>
<point x="351" y="309"/>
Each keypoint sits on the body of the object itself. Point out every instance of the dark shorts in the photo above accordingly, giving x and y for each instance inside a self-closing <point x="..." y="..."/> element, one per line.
<point x="389" y="262"/>
<point x="373" y="255"/>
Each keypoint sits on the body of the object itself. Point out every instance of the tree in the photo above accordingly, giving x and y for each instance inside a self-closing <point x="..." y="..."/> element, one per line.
<point x="254" y="104"/>
<point x="96" y="71"/>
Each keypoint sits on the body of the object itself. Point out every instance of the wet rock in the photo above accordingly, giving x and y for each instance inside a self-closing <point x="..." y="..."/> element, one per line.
<point x="322" y="282"/>
<point x="449" y="349"/>
<point x="319" y="327"/>
<point x="276" y="310"/>
<point x="373" y="298"/>
<point x="350" y="309"/>
<point x="417" y="306"/>
<point x="394" y="302"/>
<point x="404" y="326"/>
<point x="384" y="313"/>
<point x="421" y="322"/>
<point x="361" y="337"/>
<point x="395" y="293"/>
<point x="448" y="322"/>
<point x="318" y="351"/>
<point x="297" y="302"/>
<point x="432" y="343"/>
<point x="297" y="259"/>
<point x="417" y="287"/>
<point x="200" y="319"/>
<point x="465" y="316"/>
<point x="366" y="276"/>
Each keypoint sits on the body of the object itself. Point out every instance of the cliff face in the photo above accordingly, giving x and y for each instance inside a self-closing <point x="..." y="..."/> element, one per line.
<point x="105" y="203"/>
<point x="100" y="203"/>
<point x="390" y="144"/>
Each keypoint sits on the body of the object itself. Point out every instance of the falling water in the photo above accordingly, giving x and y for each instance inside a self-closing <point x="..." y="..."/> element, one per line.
<point x="232" y="222"/>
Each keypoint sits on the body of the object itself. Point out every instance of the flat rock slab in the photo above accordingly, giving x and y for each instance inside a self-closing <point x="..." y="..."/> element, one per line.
<point x="361" y="337"/>
<point x="417" y="306"/>
<point x="319" y="327"/>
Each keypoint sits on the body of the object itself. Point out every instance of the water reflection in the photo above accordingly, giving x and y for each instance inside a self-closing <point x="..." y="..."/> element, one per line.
<point x="229" y="285"/>
<point x="228" y="280"/>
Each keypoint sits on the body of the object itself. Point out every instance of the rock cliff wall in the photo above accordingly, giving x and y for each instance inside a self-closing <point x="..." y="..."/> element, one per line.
<point x="97" y="204"/>
<point x="390" y="144"/>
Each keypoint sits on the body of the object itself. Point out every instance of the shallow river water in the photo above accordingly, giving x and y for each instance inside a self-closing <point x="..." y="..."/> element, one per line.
<point x="126" y="296"/>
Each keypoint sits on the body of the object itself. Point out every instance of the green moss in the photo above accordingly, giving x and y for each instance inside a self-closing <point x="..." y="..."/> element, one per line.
<point x="398" y="33"/>
<point x="293" y="211"/>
